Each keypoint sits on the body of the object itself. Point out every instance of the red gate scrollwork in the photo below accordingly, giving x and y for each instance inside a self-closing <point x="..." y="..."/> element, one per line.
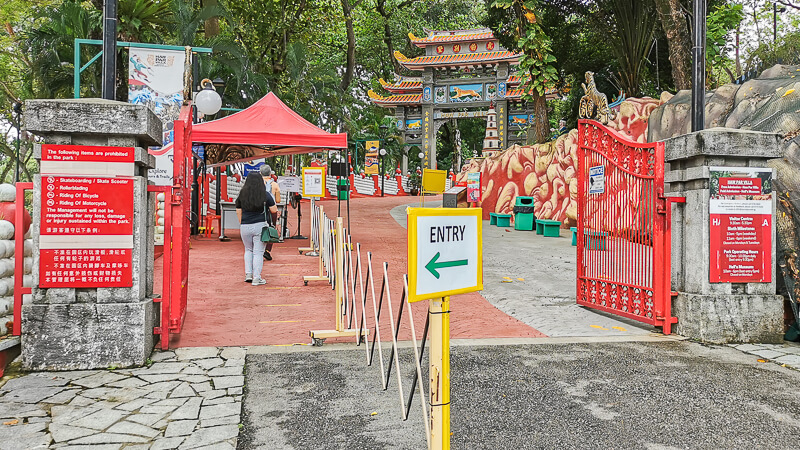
<point x="623" y="227"/>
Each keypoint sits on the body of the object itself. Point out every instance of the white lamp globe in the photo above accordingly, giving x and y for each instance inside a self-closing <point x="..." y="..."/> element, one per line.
<point x="421" y="155"/>
<point x="208" y="102"/>
<point x="383" y="152"/>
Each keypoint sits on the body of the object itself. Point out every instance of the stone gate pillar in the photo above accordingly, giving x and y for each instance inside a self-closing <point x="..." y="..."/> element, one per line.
<point x="710" y="244"/>
<point x="87" y="310"/>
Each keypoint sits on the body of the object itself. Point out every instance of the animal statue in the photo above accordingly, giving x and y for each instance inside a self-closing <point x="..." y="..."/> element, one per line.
<point x="467" y="94"/>
<point x="594" y="104"/>
<point x="516" y="120"/>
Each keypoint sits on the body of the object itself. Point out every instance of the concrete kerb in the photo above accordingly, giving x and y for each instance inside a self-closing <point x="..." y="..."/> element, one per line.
<point x="653" y="337"/>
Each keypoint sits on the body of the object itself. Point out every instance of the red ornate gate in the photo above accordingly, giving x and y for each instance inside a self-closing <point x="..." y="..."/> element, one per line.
<point x="177" y="229"/>
<point x="623" y="227"/>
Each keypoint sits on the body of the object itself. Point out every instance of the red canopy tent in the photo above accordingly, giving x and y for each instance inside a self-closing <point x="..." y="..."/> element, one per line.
<point x="267" y="128"/>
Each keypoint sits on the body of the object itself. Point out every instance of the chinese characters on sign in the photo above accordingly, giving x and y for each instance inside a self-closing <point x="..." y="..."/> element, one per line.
<point x="740" y="235"/>
<point x="85" y="268"/>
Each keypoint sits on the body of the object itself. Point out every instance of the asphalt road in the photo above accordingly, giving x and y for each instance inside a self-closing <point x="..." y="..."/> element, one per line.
<point x="655" y="395"/>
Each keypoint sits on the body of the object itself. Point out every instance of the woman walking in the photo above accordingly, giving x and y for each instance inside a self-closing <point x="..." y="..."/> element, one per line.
<point x="252" y="207"/>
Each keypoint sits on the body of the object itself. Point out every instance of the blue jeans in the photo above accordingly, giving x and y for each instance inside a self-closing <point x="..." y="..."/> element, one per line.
<point x="253" y="248"/>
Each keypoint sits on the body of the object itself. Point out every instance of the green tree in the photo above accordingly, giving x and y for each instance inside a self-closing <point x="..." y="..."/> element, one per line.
<point x="524" y="33"/>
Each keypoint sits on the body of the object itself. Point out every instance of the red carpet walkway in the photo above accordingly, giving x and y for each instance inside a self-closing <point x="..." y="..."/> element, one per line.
<point x="225" y="311"/>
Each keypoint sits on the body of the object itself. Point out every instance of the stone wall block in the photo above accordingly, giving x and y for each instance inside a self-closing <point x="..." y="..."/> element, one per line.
<point x="721" y="319"/>
<point x="92" y="116"/>
<point x="86" y="336"/>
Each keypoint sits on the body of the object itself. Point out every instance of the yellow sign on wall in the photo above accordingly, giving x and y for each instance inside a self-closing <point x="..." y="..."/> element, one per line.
<point x="445" y="252"/>
<point x="371" y="158"/>
<point x="433" y="180"/>
<point x="314" y="182"/>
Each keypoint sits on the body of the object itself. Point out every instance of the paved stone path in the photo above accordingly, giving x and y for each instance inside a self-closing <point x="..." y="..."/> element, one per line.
<point x="787" y="354"/>
<point x="189" y="398"/>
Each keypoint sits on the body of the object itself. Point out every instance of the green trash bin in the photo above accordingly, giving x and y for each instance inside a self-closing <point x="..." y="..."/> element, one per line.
<point x="524" y="217"/>
<point x="343" y="188"/>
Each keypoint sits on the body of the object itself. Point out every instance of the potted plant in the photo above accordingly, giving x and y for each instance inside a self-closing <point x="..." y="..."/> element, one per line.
<point x="414" y="182"/>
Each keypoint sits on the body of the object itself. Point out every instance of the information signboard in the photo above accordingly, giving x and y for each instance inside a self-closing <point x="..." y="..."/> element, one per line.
<point x="313" y="182"/>
<point x="597" y="179"/>
<point x="444" y="252"/>
<point x="289" y="184"/>
<point x="87" y="206"/>
<point x="86" y="231"/>
<point x="740" y="234"/>
<point x="473" y="186"/>
<point x="371" y="162"/>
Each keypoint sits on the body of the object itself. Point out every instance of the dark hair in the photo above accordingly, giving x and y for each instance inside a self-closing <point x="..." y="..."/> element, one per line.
<point x="254" y="193"/>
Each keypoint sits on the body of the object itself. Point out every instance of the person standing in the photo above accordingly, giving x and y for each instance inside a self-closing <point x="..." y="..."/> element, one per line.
<point x="252" y="206"/>
<point x="275" y="191"/>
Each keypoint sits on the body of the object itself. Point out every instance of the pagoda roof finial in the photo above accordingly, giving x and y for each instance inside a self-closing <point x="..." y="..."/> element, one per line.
<point x="400" y="57"/>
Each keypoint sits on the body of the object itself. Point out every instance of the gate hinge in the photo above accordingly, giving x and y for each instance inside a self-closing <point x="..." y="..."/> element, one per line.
<point x="157" y="298"/>
<point x="156" y="330"/>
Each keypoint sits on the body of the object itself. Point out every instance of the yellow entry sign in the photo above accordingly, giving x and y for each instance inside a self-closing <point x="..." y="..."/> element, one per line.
<point x="445" y="254"/>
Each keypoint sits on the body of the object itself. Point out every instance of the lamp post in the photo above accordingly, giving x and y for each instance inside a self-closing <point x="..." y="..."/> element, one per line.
<point x="699" y="66"/>
<point x="17" y="108"/>
<point x="775" y="11"/>
<point x="208" y="102"/>
<point x="108" y="83"/>
<point x="382" y="153"/>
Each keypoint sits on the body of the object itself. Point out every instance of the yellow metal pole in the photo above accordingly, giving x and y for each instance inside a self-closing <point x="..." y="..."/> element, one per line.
<point x="440" y="373"/>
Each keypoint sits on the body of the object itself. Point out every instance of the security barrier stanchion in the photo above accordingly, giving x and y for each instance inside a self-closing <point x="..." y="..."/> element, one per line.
<point x="321" y="219"/>
<point x="342" y="265"/>
<point x="336" y="274"/>
<point x="314" y="240"/>
<point x="440" y="373"/>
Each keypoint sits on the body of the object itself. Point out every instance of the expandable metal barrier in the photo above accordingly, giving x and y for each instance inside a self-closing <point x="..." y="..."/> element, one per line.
<point x="342" y="267"/>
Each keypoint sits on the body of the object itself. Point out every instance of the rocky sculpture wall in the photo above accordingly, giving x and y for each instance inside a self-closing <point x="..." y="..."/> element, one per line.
<point x="548" y="172"/>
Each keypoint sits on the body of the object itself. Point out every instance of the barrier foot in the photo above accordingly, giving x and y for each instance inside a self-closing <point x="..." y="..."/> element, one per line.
<point x="304" y="249"/>
<point x="319" y="336"/>
<point x="308" y="278"/>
